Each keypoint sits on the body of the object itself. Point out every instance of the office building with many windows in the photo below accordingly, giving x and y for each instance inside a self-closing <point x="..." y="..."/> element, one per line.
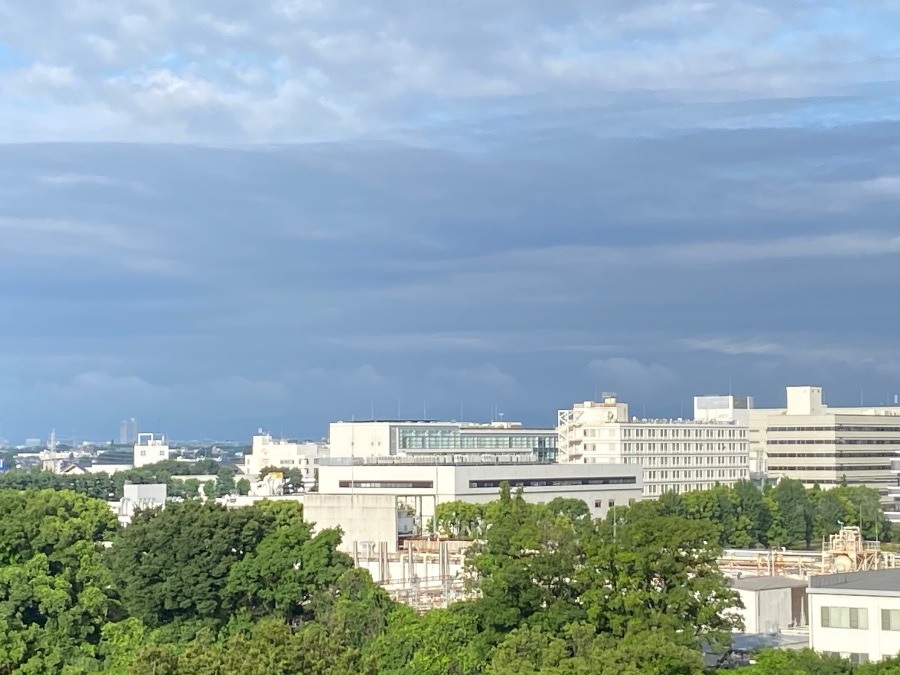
<point x="810" y="442"/>
<point x="675" y="454"/>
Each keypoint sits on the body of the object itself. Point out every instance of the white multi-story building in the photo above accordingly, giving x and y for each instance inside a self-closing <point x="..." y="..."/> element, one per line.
<point x="389" y="438"/>
<point x="266" y="451"/>
<point x="676" y="455"/>
<point x="855" y="615"/>
<point x="816" y="444"/>
<point x="423" y="482"/>
<point x="150" y="449"/>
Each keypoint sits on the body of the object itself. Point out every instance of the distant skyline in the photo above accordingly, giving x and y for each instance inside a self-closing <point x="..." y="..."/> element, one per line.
<point x="239" y="216"/>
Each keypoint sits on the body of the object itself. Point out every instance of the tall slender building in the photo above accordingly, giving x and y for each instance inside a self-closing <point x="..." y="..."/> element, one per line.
<point x="128" y="432"/>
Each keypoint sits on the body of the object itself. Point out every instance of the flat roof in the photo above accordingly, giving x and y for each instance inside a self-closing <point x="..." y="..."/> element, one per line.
<point x="873" y="582"/>
<point x="766" y="583"/>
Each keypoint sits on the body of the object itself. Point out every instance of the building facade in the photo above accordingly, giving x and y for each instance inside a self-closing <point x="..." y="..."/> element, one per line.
<point x="266" y="451"/>
<point x="675" y="454"/>
<point x="150" y="449"/>
<point x="855" y="615"/>
<point x="392" y="438"/>
<point x="810" y="442"/>
<point x="424" y="482"/>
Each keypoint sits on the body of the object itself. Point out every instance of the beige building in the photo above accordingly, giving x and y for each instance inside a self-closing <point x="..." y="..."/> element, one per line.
<point x="394" y="438"/>
<point x="266" y="451"/>
<point x="814" y="443"/>
<point x="675" y="454"/>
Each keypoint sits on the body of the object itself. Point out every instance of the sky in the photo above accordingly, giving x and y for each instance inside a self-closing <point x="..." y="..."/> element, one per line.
<point x="216" y="217"/>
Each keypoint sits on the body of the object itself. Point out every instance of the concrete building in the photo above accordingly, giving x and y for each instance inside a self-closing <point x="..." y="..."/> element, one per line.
<point x="675" y="454"/>
<point x="134" y="497"/>
<point x="389" y="438"/>
<point x="810" y="442"/>
<point x="266" y="451"/>
<point x="855" y="615"/>
<point x="421" y="483"/>
<point x="771" y="604"/>
<point x="150" y="449"/>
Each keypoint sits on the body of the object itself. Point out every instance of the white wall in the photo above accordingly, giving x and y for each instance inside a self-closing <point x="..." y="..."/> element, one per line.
<point x="361" y="517"/>
<point x="873" y="641"/>
<point x="360" y="439"/>
<point x="429" y="485"/>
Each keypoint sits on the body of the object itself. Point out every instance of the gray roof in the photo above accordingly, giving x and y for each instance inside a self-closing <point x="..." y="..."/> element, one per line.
<point x="873" y="582"/>
<point x="766" y="583"/>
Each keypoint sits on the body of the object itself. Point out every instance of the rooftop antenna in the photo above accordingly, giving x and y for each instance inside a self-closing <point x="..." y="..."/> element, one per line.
<point x="460" y="410"/>
<point x="372" y="409"/>
<point x="424" y="409"/>
<point x="398" y="406"/>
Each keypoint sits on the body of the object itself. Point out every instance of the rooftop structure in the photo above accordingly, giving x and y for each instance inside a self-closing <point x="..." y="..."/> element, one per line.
<point x="150" y="449"/>
<point x="411" y="437"/>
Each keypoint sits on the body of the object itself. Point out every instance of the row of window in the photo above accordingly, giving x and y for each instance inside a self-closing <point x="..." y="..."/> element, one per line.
<point x="858" y="618"/>
<point x="733" y="460"/>
<point x="834" y="454"/>
<point x="721" y="473"/>
<point x="838" y="427"/>
<point x="831" y="467"/>
<point x="834" y="441"/>
<point x="388" y="484"/>
<point x="554" y="482"/>
<point x="684" y="433"/>
<point x="611" y="504"/>
<point x="453" y="441"/>
<point x="685" y="447"/>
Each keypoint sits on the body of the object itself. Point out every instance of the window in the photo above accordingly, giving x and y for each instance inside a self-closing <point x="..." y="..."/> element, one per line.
<point x="611" y="504"/>
<point x="845" y="617"/>
<point x="890" y="619"/>
<point x="411" y="484"/>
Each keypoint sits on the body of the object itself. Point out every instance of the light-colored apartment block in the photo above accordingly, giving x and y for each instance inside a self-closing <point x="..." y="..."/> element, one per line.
<point x="675" y="454"/>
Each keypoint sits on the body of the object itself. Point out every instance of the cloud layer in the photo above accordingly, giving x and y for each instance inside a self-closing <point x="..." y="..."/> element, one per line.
<point x="293" y="212"/>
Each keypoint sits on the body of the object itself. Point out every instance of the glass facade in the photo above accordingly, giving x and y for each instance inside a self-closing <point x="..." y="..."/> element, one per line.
<point x="456" y="439"/>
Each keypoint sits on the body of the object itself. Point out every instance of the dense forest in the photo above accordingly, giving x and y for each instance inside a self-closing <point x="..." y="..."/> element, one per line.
<point x="199" y="589"/>
<point x="786" y="514"/>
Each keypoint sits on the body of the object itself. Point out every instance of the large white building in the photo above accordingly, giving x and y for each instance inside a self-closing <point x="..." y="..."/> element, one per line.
<point x="855" y="615"/>
<point x="150" y="449"/>
<point x="424" y="482"/>
<point x="676" y="455"/>
<point x="266" y="451"/>
<point x="388" y="438"/>
<point x="817" y="444"/>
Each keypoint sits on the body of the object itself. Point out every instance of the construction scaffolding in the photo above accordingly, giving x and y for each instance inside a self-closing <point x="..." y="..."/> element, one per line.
<point x="844" y="551"/>
<point x="422" y="574"/>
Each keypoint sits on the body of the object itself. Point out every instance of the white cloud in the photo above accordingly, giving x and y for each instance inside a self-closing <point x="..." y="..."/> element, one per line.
<point x="383" y="69"/>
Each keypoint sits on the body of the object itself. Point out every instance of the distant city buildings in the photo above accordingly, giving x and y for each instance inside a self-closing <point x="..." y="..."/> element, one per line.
<point x="128" y="432"/>
<point x="676" y="455"/>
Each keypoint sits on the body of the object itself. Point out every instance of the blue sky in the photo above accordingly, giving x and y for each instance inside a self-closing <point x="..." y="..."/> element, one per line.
<point x="215" y="218"/>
